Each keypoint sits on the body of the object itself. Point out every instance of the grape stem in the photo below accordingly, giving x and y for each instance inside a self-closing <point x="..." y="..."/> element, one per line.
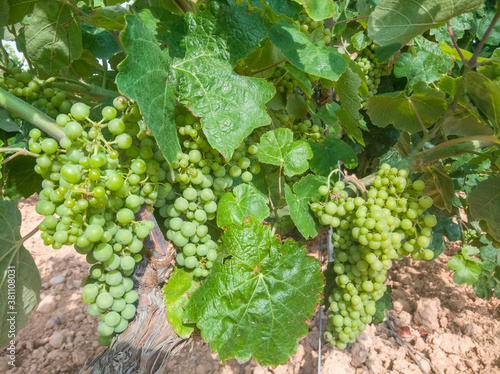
<point x="30" y="234"/>
<point x="32" y="115"/>
<point x="19" y="152"/>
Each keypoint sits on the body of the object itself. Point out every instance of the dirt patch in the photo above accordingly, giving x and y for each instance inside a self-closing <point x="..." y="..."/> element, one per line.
<point x="449" y="329"/>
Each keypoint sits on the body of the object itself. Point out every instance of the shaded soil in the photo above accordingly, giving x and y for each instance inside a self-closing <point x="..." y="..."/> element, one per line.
<point x="444" y="326"/>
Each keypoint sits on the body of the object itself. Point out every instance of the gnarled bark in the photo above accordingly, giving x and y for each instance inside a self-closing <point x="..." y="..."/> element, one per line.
<point x="147" y="344"/>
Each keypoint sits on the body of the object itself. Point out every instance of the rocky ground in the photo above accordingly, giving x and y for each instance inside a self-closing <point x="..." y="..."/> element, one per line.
<point x="435" y="326"/>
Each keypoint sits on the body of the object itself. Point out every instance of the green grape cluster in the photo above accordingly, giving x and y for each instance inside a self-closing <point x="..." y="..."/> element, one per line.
<point x="92" y="189"/>
<point x="308" y="26"/>
<point x="198" y="178"/>
<point x="470" y="234"/>
<point x="373" y="71"/>
<point x="369" y="233"/>
<point x="39" y="94"/>
<point x="283" y="81"/>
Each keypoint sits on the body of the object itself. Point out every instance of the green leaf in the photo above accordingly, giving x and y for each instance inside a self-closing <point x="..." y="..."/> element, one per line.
<point x="324" y="62"/>
<point x="485" y="96"/>
<point x="20" y="281"/>
<point x="7" y="124"/>
<point x="286" y="8"/>
<point x="303" y="82"/>
<point x="298" y="200"/>
<point x="465" y="124"/>
<point x="458" y="24"/>
<point x="296" y="105"/>
<point x="177" y="291"/>
<point x="399" y="21"/>
<point x="318" y="9"/>
<point x="424" y="67"/>
<point x="439" y="186"/>
<point x="99" y="41"/>
<point x="201" y="79"/>
<point x="488" y="283"/>
<point x="276" y="191"/>
<point x="277" y="147"/>
<point x="466" y="271"/>
<point x="110" y="17"/>
<point x="350" y="125"/>
<point x="4" y="12"/>
<point x="483" y="24"/>
<point x="326" y="156"/>
<point x="347" y="90"/>
<point x="53" y="37"/>
<point x="255" y="302"/>
<point x="382" y="306"/>
<point x="18" y="9"/>
<point x="360" y="40"/>
<point x="22" y="181"/>
<point x="484" y="203"/>
<point x="398" y="111"/>
<point x="245" y="200"/>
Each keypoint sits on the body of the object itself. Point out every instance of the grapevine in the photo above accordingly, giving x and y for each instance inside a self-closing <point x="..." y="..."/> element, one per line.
<point x="227" y="122"/>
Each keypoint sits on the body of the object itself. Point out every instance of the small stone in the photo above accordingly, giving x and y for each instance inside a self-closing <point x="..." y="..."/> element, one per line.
<point x="426" y="314"/>
<point x="259" y="370"/>
<point x="473" y="330"/>
<point x="4" y="364"/>
<point x="200" y="369"/>
<point x="56" y="321"/>
<point x="78" y="358"/>
<point x="53" y="355"/>
<point x="48" y="304"/>
<point x="57" y="279"/>
<point x="39" y="354"/>
<point x="57" y="339"/>
<point x="359" y="355"/>
<point x="80" y="317"/>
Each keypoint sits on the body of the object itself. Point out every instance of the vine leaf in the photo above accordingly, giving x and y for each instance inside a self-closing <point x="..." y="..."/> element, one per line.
<point x="53" y="38"/>
<point x="245" y="200"/>
<point x="383" y="306"/>
<point x="22" y="180"/>
<point x="17" y="9"/>
<point x="350" y="125"/>
<point x="110" y="17"/>
<point x="99" y="41"/>
<point x="298" y="200"/>
<point x="286" y="8"/>
<point x="256" y="301"/>
<point x="318" y="10"/>
<point x="327" y="155"/>
<point x="399" y="21"/>
<point x="439" y="186"/>
<point x="277" y="147"/>
<point x="467" y="269"/>
<point x="488" y="283"/>
<point x="485" y="96"/>
<point x="347" y="91"/>
<point x="145" y="76"/>
<point x="7" y="124"/>
<point x="321" y="61"/>
<point x="177" y="291"/>
<point x="200" y="76"/>
<point x="16" y="265"/>
<point x="397" y="109"/>
<point x="484" y="203"/>
<point x="424" y="67"/>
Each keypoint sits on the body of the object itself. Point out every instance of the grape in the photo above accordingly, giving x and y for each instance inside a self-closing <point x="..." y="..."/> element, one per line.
<point x="188" y="229"/>
<point x="94" y="233"/>
<point x="113" y="278"/>
<point x="127" y="263"/>
<point x="122" y="325"/>
<point x="123" y="236"/>
<point x="104" y="300"/>
<point x="190" y="262"/>
<point x="131" y="297"/>
<point x="104" y="329"/>
<point x="90" y="292"/>
<point x="129" y="312"/>
<point x="79" y="111"/>
<point x="94" y="310"/>
<point x="124" y="216"/>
